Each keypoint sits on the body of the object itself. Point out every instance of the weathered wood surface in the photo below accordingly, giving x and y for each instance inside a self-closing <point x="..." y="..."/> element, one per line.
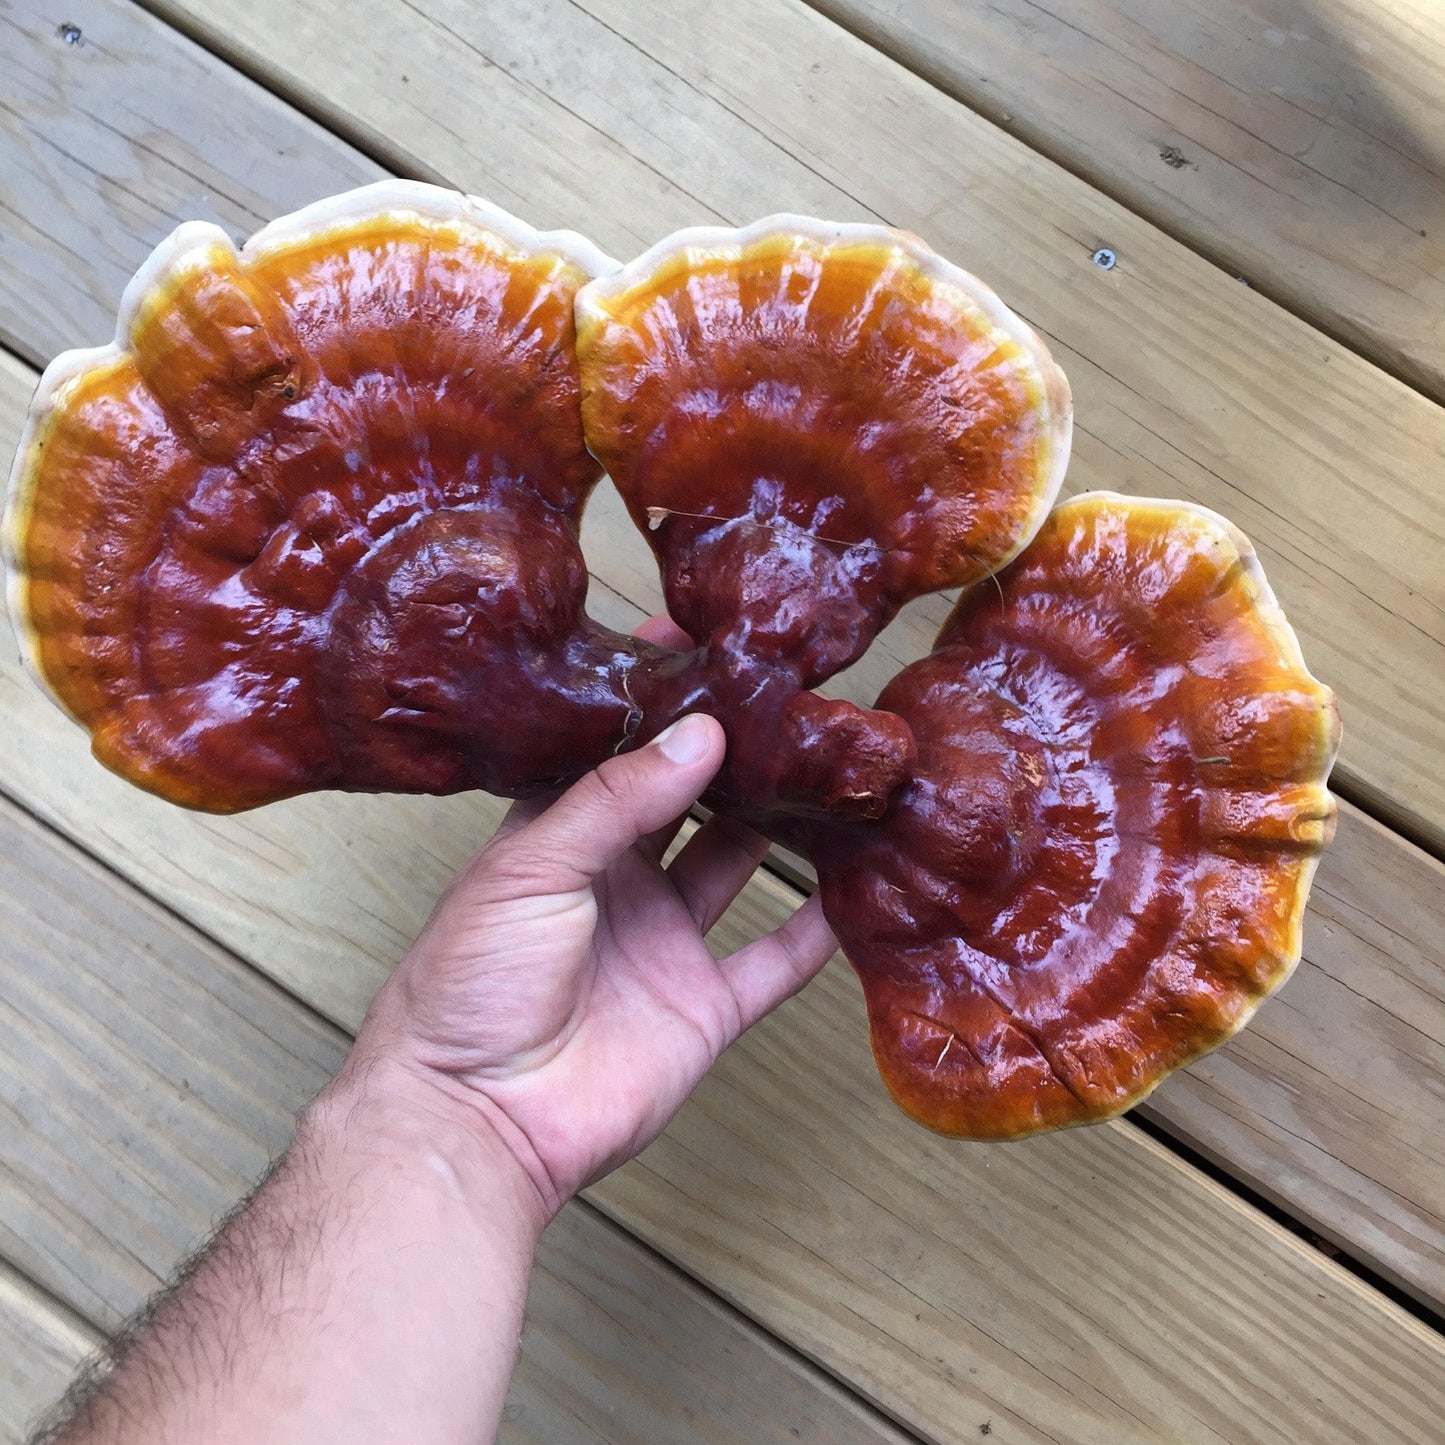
<point x="146" y="1078"/>
<point x="1319" y="1105"/>
<point x="969" y="1262"/>
<point x="1086" y="1281"/>
<point x="621" y="1346"/>
<point x="626" y="118"/>
<point x="41" y="1346"/>
<point x="106" y="141"/>
<point x="1299" y="144"/>
<point x="1332" y="1102"/>
<point x="972" y="1214"/>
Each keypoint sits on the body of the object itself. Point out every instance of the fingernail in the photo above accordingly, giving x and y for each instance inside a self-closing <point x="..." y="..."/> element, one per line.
<point x="685" y="741"/>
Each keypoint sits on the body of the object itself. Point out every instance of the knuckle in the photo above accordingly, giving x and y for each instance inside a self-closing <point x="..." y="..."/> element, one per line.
<point x="613" y="787"/>
<point x="504" y="868"/>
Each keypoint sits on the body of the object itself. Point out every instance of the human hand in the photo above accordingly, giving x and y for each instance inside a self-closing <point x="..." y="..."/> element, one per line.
<point x="558" y="1007"/>
<point x="562" y="994"/>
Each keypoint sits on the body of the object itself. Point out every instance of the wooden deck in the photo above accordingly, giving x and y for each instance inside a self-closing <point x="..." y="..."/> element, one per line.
<point x="1263" y="1258"/>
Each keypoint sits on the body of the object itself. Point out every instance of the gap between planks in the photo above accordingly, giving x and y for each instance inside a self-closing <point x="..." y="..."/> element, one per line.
<point x="42" y="1344"/>
<point x="1297" y="148"/>
<point x="1243" y="1105"/>
<point x="146" y="1134"/>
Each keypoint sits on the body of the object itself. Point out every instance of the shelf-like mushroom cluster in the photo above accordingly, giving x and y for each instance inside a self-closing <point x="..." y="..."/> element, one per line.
<point x="311" y="521"/>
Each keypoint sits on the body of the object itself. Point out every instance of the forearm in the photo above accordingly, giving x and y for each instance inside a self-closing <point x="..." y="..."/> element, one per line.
<point x="372" y="1290"/>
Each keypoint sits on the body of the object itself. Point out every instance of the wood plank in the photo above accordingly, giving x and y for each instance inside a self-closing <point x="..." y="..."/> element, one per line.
<point x="1084" y="1283"/>
<point x="125" y="1136"/>
<point x="1326" y="1103"/>
<point x="1280" y="1108"/>
<point x="41" y="1347"/>
<point x="620" y="1345"/>
<point x="1300" y="146"/>
<point x="1331" y="1102"/>
<point x="968" y="1262"/>
<point x="1186" y="383"/>
<point x="108" y="142"/>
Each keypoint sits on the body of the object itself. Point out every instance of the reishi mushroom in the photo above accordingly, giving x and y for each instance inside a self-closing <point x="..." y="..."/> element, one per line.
<point x="813" y="424"/>
<point x="1098" y="869"/>
<point x="311" y="522"/>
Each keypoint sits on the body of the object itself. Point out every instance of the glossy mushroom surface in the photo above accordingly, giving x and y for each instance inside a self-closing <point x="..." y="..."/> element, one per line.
<point x="311" y="521"/>
<point x="1099" y="867"/>
<point x="814" y="424"/>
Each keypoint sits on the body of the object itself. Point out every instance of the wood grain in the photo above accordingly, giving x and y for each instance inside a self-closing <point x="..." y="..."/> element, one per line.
<point x="41" y="1347"/>
<point x="626" y="118"/>
<point x="1126" y="1299"/>
<point x="1086" y="1285"/>
<point x="998" y="1256"/>
<point x="621" y="1346"/>
<point x="1281" y="1108"/>
<point x="146" y="1078"/>
<point x="968" y="1260"/>
<point x="108" y="141"/>
<point x="1300" y="145"/>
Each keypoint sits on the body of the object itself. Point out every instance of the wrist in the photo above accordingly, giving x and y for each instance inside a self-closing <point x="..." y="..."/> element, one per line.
<point x="384" y="1118"/>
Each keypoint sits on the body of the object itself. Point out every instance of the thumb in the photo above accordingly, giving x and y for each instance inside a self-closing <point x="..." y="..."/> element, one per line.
<point x="600" y="817"/>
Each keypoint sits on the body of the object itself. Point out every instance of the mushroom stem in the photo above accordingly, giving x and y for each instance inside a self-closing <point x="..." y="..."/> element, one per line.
<point x="790" y="752"/>
<point x="764" y="589"/>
